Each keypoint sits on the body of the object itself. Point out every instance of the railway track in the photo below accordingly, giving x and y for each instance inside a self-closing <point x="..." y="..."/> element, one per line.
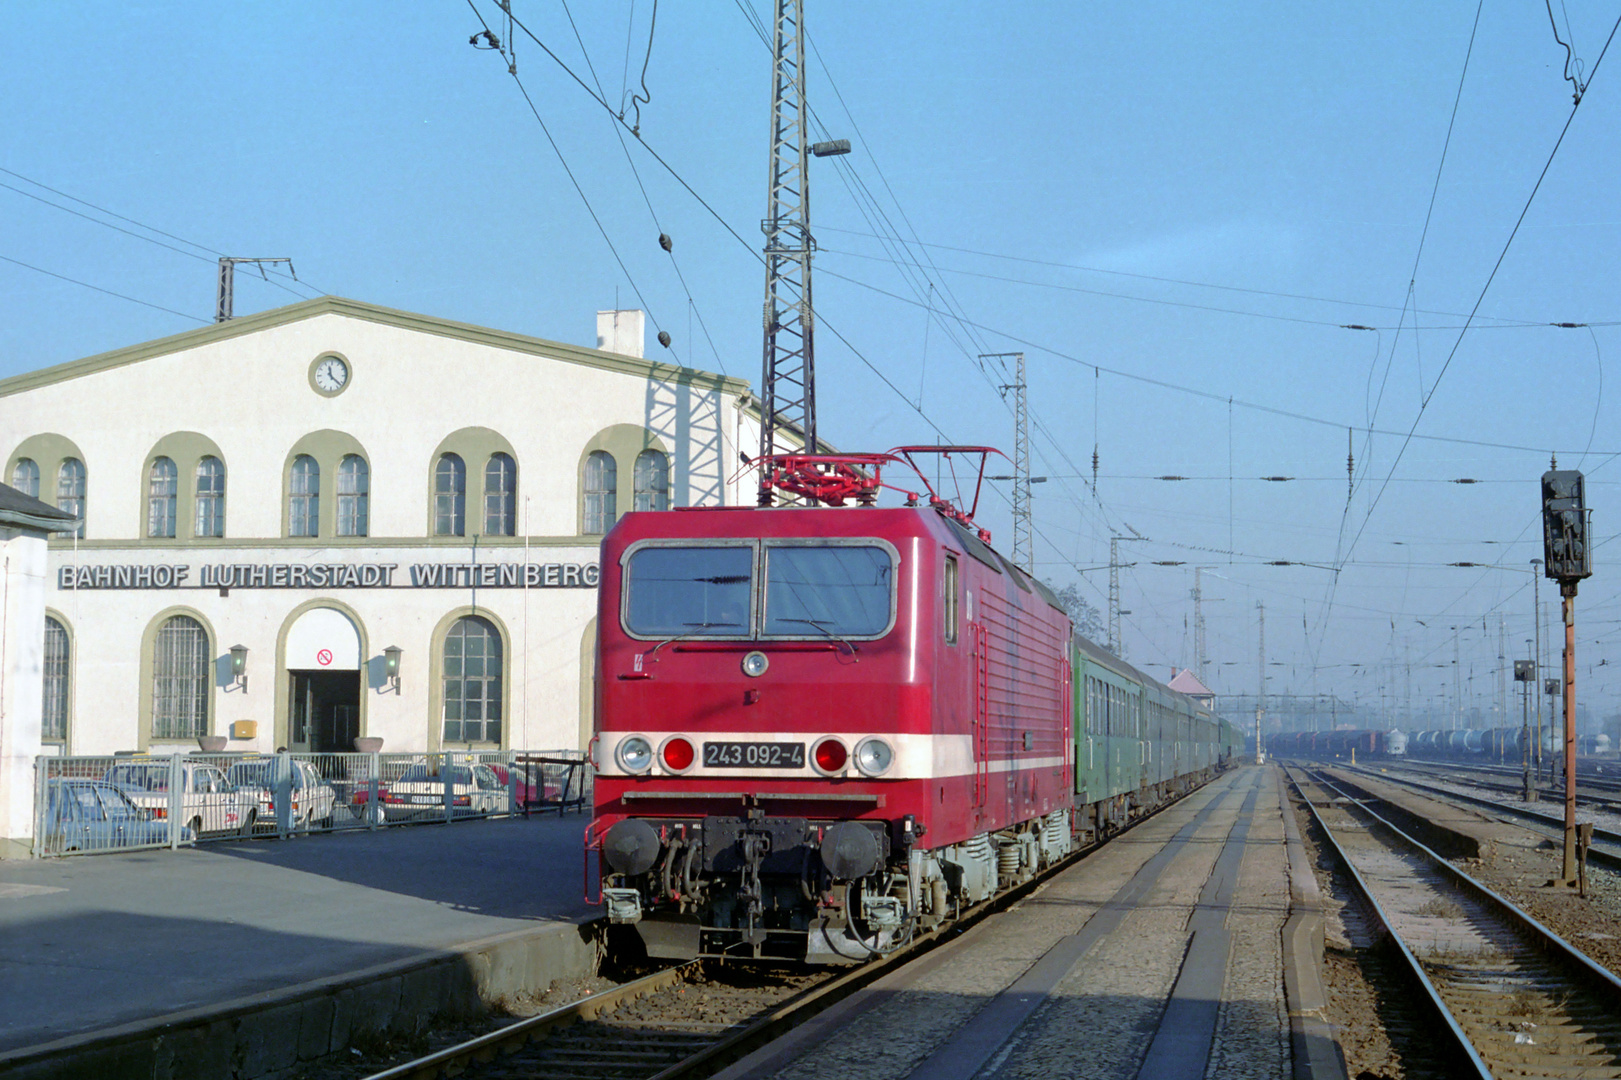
<point x="689" y="1020"/>
<point x="1603" y="791"/>
<point x="1511" y="998"/>
<point x="1606" y="848"/>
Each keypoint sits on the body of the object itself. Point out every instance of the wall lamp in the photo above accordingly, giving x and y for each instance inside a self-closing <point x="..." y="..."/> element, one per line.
<point x="391" y="666"/>
<point x="239" y="667"/>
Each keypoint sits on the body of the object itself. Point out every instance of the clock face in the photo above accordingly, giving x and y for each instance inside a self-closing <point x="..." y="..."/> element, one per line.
<point x="331" y="374"/>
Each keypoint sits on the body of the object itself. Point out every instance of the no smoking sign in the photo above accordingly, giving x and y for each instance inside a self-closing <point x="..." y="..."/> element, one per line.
<point x="324" y="657"/>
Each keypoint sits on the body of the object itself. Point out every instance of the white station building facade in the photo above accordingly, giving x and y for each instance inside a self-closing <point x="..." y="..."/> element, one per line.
<point x="334" y="521"/>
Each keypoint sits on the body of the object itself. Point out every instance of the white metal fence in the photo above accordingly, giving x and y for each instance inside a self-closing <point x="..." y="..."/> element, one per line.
<point x="85" y="805"/>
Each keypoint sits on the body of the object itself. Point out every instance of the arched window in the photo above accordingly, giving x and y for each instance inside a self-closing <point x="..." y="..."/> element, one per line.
<point x="25" y="477"/>
<point x="601" y="492"/>
<point x="70" y="490"/>
<point x="211" y="497"/>
<point x="304" y="497"/>
<point x="180" y="664"/>
<point x="354" y="495"/>
<point x="163" y="484"/>
<point x="652" y="481"/>
<point x="54" y="718"/>
<point x="501" y="496"/>
<point x="450" y="496"/>
<point x="472" y="686"/>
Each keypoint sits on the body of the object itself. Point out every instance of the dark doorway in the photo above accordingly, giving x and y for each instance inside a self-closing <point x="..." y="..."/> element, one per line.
<point x="323" y="711"/>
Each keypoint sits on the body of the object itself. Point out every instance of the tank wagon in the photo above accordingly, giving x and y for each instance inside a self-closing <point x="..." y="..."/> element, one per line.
<point x="821" y="730"/>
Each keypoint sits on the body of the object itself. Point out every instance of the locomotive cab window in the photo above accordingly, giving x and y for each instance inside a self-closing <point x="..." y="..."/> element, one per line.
<point x="834" y="591"/>
<point x="951" y="599"/>
<point x="752" y="589"/>
<point x="701" y="591"/>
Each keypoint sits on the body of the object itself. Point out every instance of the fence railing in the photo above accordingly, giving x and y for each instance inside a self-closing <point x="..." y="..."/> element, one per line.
<point x="85" y="805"/>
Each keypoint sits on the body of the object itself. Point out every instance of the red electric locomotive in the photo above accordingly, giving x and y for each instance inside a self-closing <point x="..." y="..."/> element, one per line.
<point x="819" y="730"/>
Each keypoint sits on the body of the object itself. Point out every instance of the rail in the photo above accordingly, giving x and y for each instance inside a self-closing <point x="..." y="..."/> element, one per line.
<point x="1486" y="1000"/>
<point x="1610" y="860"/>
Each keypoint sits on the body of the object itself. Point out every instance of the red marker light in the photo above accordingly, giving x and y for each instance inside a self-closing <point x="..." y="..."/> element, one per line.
<point x="830" y="755"/>
<point x="678" y="754"/>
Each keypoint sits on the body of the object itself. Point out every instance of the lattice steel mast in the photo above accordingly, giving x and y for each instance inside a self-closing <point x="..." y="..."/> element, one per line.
<point x="788" y="376"/>
<point x="1023" y="545"/>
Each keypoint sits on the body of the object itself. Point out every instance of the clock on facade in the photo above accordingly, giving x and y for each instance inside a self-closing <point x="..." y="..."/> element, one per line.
<point x="329" y="374"/>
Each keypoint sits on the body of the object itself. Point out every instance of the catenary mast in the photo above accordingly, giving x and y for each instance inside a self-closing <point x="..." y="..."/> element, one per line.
<point x="788" y="377"/>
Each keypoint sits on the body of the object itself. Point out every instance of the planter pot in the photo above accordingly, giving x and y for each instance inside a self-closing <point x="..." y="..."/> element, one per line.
<point x="211" y="744"/>
<point x="370" y="745"/>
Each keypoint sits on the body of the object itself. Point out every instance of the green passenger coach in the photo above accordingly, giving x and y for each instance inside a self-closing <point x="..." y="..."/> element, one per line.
<point x="1138" y="743"/>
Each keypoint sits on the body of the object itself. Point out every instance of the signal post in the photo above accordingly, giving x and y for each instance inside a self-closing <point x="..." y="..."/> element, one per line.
<point x="1568" y="560"/>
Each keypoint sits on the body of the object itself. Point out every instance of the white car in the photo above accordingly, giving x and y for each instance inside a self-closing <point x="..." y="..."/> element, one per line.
<point x="313" y="799"/>
<point x="420" y="791"/>
<point x="209" y="803"/>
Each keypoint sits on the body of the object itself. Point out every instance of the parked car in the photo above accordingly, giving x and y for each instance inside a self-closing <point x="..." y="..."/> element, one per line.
<point x="420" y="791"/>
<point x="93" y="815"/>
<point x="208" y="801"/>
<point x="313" y="799"/>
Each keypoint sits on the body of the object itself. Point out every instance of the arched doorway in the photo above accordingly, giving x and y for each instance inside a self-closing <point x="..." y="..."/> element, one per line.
<point x="322" y="658"/>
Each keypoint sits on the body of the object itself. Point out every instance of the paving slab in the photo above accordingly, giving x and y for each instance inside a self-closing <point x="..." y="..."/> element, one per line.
<point x="88" y="943"/>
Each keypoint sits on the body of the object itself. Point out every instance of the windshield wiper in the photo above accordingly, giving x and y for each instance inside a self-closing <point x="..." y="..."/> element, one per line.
<point x="823" y="628"/>
<point x="696" y="626"/>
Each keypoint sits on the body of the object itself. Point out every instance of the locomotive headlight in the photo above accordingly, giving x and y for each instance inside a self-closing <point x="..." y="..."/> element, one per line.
<point x="874" y="756"/>
<point x="755" y="663"/>
<point x="635" y="754"/>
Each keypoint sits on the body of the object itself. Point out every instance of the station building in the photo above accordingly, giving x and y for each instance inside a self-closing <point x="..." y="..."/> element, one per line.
<point x="333" y="521"/>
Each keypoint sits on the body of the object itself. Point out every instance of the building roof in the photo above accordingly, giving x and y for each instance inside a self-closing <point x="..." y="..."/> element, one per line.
<point x="1188" y="683"/>
<point x="25" y="511"/>
<point x="355" y="309"/>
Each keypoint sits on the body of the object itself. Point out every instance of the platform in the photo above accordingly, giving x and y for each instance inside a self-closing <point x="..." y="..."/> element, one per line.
<point x="91" y="944"/>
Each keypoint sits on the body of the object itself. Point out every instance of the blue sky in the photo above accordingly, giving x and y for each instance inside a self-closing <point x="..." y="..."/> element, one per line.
<point x="1177" y="192"/>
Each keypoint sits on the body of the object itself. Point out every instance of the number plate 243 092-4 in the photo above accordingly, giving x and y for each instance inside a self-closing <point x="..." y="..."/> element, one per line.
<point x="754" y="755"/>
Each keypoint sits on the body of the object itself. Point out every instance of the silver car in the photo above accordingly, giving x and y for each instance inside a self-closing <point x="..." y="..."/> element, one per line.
<point x="208" y="802"/>
<point x="313" y="799"/>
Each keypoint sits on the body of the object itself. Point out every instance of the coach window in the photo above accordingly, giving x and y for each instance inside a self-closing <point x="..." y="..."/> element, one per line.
<point x="500" y="495"/>
<point x="210" y="497"/>
<point x="304" y="497"/>
<point x="180" y="669"/>
<point x="354" y="496"/>
<point x="25" y="477"/>
<point x="652" y="481"/>
<point x="951" y="599"/>
<point x="70" y="484"/>
<point x="162" y="487"/>
<point x="450" y="496"/>
<point x="54" y="718"/>
<point x="472" y="682"/>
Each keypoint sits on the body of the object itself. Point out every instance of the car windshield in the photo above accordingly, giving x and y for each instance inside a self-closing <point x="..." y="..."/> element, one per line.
<point x="142" y="777"/>
<point x="689" y="591"/>
<point x="261" y="774"/>
<point x="836" y="591"/>
<point x="419" y="774"/>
